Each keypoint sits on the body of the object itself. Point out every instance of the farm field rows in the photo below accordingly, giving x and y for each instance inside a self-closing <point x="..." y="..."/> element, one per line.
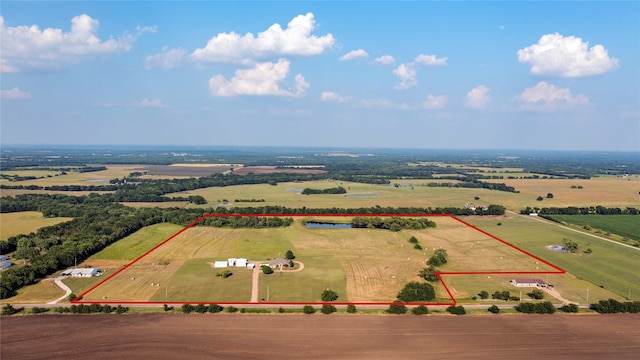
<point x="361" y="265"/>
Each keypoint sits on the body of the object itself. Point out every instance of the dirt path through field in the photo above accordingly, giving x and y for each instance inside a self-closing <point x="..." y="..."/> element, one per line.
<point x="61" y="285"/>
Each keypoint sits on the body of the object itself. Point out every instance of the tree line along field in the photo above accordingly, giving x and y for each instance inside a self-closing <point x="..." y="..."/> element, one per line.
<point x="361" y="265"/>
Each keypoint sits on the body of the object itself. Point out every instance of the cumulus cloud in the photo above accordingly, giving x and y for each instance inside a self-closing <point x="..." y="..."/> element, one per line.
<point x="566" y="56"/>
<point x="26" y="48"/>
<point x="263" y="79"/>
<point x="354" y="54"/>
<point x="385" y="60"/>
<point x="295" y="40"/>
<point x="155" y="103"/>
<point x="434" y="102"/>
<point x="167" y="59"/>
<point x="407" y="72"/>
<point x="547" y="97"/>
<point x="14" y="94"/>
<point x="478" y="97"/>
<point x="331" y="96"/>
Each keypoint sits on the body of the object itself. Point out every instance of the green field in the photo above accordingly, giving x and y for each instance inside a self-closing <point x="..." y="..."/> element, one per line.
<point x="25" y="222"/>
<point x="137" y="243"/>
<point x="624" y="225"/>
<point x="610" y="266"/>
<point x="361" y="265"/>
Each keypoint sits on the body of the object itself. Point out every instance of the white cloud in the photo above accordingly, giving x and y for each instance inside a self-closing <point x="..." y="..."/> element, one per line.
<point x="407" y="75"/>
<point x="14" y="94"/>
<point x="263" y="79"/>
<point x="167" y="59"/>
<point x="385" y="60"/>
<point x="295" y="40"/>
<point x="407" y="72"/>
<point x="331" y="96"/>
<point x="156" y="103"/>
<point x="430" y="60"/>
<point x="434" y="102"/>
<point x="27" y="48"/>
<point x="569" y="56"/>
<point x="478" y="97"/>
<point x="354" y="54"/>
<point x="547" y="97"/>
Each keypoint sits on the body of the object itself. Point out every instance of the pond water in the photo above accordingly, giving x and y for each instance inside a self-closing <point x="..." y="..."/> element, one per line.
<point x="557" y="248"/>
<point x="294" y="189"/>
<point x="356" y="195"/>
<point x="317" y="225"/>
<point x="97" y="180"/>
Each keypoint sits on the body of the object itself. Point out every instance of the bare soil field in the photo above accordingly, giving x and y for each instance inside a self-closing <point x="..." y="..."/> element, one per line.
<point x="253" y="336"/>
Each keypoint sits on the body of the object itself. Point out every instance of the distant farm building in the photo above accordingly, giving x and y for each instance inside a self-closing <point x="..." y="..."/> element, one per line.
<point x="81" y="272"/>
<point x="220" y="264"/>
<point x="528" y="283"/>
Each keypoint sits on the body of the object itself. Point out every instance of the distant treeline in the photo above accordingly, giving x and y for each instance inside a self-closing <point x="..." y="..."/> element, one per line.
<point x="475" y="184"/>
<point x="247" y="222"/>
<point x="248" y="200"/>
<point x="334" y="190"/>
<point x="392" y="223"/>
<point x="573" y="210"/>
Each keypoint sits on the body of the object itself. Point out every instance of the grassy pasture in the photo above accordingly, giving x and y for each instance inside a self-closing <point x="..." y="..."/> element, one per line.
<point x="361" y="265"/>
<point x="88" y="178"/>
<point x="25" y="222"/>
<point x="623" y="225"/>
<point x="42" y="292"/>
<point x="611" y="266"/>
<point x="137" y="243"/>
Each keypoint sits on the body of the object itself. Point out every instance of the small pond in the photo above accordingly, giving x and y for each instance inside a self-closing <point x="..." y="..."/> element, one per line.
<point x="557" y="248"/>
<point x="357" y="195"/>
<point x="318" y="225"/>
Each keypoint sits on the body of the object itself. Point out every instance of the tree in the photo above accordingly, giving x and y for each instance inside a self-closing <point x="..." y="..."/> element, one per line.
<point x="397" y="307"/>
<point x="494" y="309"/>
<point x="413" y="240"/>
<point x="536" y="294"/>
<point x="429" y="274"/>
<point x="267" y="270"/>
<point x="328" y="309"/>
<point x="329" y="295"/>
<point x="549" y="196"/>
<point x="456" y="310"/>
<point x="289" y="255"/>
<point x="483" y="294"/>
<point x="420" y="310"/>
<point x="569" y="245"/>
<point x="438" y="258"/>
<point x="308" y="309"/>
<point x="224" y="273"/>
<point x="351" y="309"/>
<point x="569" y="308"/>
<point x="416" y="291"/>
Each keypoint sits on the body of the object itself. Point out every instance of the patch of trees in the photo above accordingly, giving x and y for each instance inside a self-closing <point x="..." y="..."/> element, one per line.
<point x="573" y="210"/>
<point x="267" y="270"/>
<point x="438" y="258"/>
<point x="202" y="308"/>
<point x="417" y="292"/>
<point x="569" y="246"/>
<point x="569" y="308"/>
<point x="328" y="309"/>
<point x="248" y="200"/>
<point x="613" y="306"/>
<point x="545" y="307"/>
<point x="536" y="294"/>
<point x="329" y="295"/>
<point x="420" y="310"/>
<point x="493" y="309"/>
<point x="397" y="307"/>
<point x="504" y="295"/>
<point x="246" y="222"/>
<point x="392" y="223"/>
<point x="456" y="310"/>
<point x="334" y="190"/>
<point x="308" y="309"/>
<point x="467" y="182"/>
<point x="92" y="309"/>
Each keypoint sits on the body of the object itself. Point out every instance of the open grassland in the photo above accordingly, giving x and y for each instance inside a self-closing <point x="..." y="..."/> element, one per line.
<point x="361" y="265"/>
<point x="610" y="266"/>
<point x="25" y="222"/>
<point x="623" y="225"/>
<point x="136" y="244"/>
<point x="42" y="292"/>
<point x="101" y="177"/>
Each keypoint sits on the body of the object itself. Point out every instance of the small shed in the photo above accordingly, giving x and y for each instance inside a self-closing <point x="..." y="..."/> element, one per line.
<point x="232" y="261"/>
<point x="5" y="264"/>
<point x="251" y="266"/>
<point x="220" y="264"/>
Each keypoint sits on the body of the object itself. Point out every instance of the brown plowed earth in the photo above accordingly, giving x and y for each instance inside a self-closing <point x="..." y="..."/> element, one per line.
<point x="262" y="336"/>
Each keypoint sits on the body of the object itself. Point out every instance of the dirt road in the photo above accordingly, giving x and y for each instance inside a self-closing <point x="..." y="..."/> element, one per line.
<point x="318" y="336"/>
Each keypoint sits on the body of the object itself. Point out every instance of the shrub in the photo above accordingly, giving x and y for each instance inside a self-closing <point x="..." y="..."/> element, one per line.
<point x="308" y="309"/>
<point x="494" y="309"/>
<point x="224" y="273"/>
<point x="329" y="295"/>
<point x="413" y="240"/>
<point x="456" y="310"/>
<point x="187" y="308"/>
<point x="39" y="310"/>
<point x="570" y="308"/>
<point x="231" y="309"/>
<point x="267" y="270"/>
<point x="328" y="309"/>
<point x="280" y="310"/>
<point x="167" y="307"/>
<point x="121" y="309"/>
<point x="438" y="258"/>
<point x="536" y="294"/>
<point x="200" y="308"/>
<point x="536" y="308"/>
<point x="420" y="310"/>
<point x="351" y="309"/>
<point x="483" y="294"/>
<point x="71" y="297"/>
<point x="215" y="308"/>
<point x="417" y="246"/>
<point x="397" y="307"/>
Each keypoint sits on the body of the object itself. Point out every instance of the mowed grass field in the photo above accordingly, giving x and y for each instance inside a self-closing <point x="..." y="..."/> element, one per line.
<point x="605" y="191"/>
<point x="361" y="265"/>
<point x="610" y="266"/>
<point x="623" y="225"/>
<point x="25" y="222"/>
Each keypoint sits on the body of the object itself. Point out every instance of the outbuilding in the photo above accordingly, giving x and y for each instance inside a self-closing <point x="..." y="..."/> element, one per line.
<point x="81" y="272"/>
<point x="220" y="264"/>
<point x="528" y="283"/>
<point x="241" y="262"/>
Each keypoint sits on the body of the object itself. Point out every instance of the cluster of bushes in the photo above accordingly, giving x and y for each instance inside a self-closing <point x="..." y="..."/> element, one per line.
<point x="438" y="258"/>
<point x="504" y="295"/>
<point x="392" y="223"/>
<point x="201" y="308"/>
<point x="335" y="190"/>
<point x="416" y="245"/>
<point x="417" y="292"/>
<point x="246" y="222"/>
<point x="456" y="310"/>
<point x="545" y="307"/>
<point x="612" y="306"/>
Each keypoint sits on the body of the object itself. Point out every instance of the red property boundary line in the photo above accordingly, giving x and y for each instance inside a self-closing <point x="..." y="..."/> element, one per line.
<point x="439" y="274"/>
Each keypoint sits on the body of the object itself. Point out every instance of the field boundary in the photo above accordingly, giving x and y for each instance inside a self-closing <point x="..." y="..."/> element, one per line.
<point x="557" y="270"/>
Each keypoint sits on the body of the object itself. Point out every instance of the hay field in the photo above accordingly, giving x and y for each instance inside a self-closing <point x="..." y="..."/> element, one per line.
<point x="89" y="178"/>
<point x="25" y="222"/>
<point x="361" y="265"/>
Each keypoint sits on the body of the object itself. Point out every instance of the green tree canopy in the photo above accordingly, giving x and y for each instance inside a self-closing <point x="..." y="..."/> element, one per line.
<point x="416" y="291"/>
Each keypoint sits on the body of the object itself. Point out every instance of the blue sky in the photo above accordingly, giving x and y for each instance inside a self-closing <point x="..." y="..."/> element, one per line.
<point x="419" y="74"/>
